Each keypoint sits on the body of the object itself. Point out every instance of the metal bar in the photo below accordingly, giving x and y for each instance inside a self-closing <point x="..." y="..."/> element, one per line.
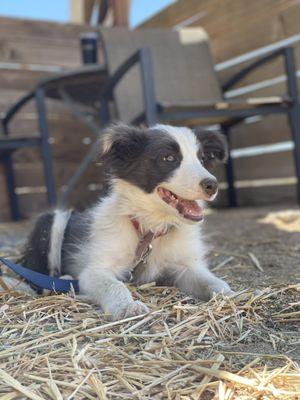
<point x="16" y="107"/>
<point x="256" y="53"/>
<point x="148" y="86"/>
<point x="104" y="112"/>
<point x="14" y="144"/>
<point x="291" y="73"/>
<point x="294" y="111"/>
<point x="11" y="186"/>
<point x="249" y="68"/>
<point x="78" y="112"/>
<point x="89" y="157"/>
<point x="143" y="56"/>
<point x="229" y="169"/>
<point x="45" y="146"/>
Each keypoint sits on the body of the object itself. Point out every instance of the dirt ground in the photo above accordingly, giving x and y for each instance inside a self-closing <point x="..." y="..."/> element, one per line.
<point x="239" y="238"/>
<point x="258" y="255"/>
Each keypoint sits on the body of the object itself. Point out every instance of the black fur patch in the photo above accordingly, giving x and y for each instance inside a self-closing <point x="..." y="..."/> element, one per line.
<point x="35" y="255"/>
<point x="76" y="234"/>
<point x="214" y="147"/>
<point x="142" y="156"/>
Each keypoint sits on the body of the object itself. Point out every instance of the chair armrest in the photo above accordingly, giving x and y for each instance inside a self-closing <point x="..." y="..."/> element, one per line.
<point x="14" y="109"/>
<point x="144" y="58"/>
<point x="285" y="52"/>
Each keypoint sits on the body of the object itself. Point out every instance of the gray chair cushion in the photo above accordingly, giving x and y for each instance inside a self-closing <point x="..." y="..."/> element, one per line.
<point x="182" y="73"/>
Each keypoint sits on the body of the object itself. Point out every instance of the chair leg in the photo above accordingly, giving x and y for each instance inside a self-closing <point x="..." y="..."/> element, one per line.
<point x="10" y="179"/>
<point x="46" y="147"/>
<point x="294" y="111"/>
<point x="294" y="120"/>
<point x="229" y="169"/>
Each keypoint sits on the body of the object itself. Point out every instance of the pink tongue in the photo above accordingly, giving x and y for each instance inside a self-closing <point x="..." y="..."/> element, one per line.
<point x="190" y="209"/>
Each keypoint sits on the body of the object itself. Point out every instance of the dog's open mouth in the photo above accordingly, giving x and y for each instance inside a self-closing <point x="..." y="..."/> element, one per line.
<point x="189" y="209"/>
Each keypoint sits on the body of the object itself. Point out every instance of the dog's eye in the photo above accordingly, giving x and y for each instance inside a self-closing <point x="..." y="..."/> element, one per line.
<point x="202" y="158"/>
<point x="207" y="157"/>
<point x="169" y="158"/>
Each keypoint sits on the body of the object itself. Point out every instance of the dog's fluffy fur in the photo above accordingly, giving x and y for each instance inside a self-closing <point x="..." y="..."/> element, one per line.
<point x="98" y="246"/>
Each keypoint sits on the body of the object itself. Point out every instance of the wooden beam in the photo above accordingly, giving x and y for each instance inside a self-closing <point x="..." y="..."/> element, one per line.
<point x="81" y="11"/>
<point x="234" y="27"/>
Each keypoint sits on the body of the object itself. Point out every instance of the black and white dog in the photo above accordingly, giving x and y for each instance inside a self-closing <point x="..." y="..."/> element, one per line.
<point x="159" y="180"/>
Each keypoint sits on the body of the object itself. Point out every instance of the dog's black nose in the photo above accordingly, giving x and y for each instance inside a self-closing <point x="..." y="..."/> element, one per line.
<point x="210" y="186"/>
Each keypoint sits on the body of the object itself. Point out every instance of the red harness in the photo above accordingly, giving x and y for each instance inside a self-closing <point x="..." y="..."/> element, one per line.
<point x="144" y="246"/>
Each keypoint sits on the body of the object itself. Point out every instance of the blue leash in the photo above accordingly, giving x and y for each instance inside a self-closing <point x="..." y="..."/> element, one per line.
<point x="42" y="281"/>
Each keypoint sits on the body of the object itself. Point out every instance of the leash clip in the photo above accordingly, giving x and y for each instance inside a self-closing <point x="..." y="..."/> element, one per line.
<point x="146" y="254"/>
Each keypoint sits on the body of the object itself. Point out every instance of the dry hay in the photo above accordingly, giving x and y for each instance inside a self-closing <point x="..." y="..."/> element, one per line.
<point x="286" y="220"/>
<point x="59" y="347"/>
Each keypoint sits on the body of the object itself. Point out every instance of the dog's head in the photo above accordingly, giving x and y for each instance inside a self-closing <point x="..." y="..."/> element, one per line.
<point x="169" y="164"/>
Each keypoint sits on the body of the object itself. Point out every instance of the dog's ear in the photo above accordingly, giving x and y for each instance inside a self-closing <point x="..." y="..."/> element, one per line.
<point x="121" y="143"/>
<point x="214" y="145"/>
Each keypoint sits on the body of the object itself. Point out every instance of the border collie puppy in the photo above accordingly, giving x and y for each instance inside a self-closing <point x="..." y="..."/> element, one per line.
<point x="158" y="182"/>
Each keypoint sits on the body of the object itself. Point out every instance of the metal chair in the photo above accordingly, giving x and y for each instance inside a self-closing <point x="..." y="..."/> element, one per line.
<point x="80" y="90"/>
<point x="10" y="144"/>
<point x="166" y="76"/>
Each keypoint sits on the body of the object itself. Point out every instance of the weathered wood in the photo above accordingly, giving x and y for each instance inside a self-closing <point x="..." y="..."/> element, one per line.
<point x="270" y="129"/>
<point x="265" y="166"/>
<point x="257" y="196"/>
<point x="20" y="79"/>
<point x="41" y="43"/>
<point x="27" y="50"/>
<point x="35" y="203"/>
<point x="81" y="11"/>
<point x="275" y="165"/>
<point x="31" y="189"/>
<point x="29" y="174"/>
<point x="234" y="27"/>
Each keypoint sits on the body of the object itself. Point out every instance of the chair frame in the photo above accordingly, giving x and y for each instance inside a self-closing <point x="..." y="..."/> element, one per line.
<point x="154" y="112"/>
<point x="8" y="146"/>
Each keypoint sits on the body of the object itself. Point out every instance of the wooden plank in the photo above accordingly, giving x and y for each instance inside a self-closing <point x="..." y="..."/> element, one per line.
<point x="42" y="43"/>
<point x="270" y="129"/>
<point x="20" y="79"/>
<point x="42" y="29"/>
<point x="265" y="166"/>
<point x="35" y="203"/>
<point x="81" y="11"/>
<point x="30" y="174"/>
<point x="31" y="190"/>
<point x="261" y="196"/>
<point x="274" y="165"/>
<point x="270" y="70"/>
<point x="234" y="27"/>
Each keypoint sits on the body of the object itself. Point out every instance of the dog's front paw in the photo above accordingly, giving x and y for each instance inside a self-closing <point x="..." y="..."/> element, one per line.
<point x="211" y="287"/>
<point x="217" y="285"/>
<point x="130" y="310"/>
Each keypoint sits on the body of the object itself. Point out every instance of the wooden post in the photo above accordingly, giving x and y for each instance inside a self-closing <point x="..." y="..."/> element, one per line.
<point x="81" y="11"/>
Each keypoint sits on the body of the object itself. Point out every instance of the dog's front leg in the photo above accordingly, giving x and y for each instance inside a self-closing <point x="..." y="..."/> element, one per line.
<point x="105" y="290"/>
<point x="199" y="282"/>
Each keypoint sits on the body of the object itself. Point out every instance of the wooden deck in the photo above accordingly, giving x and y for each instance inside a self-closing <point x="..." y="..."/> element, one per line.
<point x="29" y="51"/>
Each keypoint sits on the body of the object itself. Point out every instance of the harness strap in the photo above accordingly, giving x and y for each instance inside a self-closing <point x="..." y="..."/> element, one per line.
<point x="144" y="246"/>
<point x="42" y="280"/>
